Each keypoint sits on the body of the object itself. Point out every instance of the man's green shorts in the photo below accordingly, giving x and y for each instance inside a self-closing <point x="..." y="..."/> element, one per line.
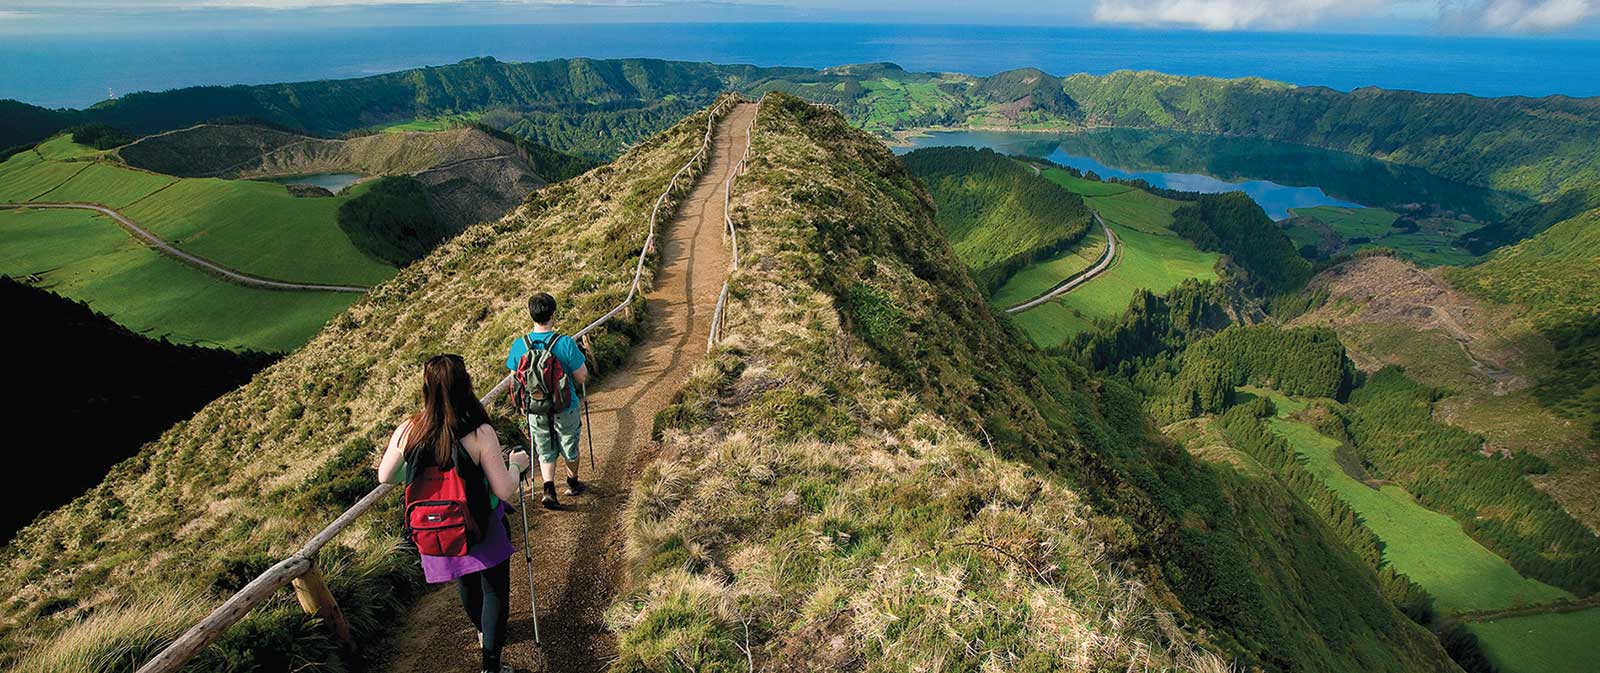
<point x="568" y="426"/>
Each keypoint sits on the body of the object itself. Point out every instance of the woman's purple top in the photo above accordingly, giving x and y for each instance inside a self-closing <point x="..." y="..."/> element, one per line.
<point x="492" y="550"/>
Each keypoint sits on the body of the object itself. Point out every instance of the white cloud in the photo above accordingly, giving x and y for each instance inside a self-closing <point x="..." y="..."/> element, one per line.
<point x="1231" y="14"/>
<point x="1520" y="16"/>
<point x="1495" y="16"/>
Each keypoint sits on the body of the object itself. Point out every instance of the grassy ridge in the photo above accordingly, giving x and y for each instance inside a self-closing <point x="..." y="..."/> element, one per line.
<point x="220" y="496"/>
<point x="812" y="485"/>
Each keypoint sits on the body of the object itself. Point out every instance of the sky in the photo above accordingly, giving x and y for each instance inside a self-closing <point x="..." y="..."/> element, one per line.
<point x="1558" y="18"/>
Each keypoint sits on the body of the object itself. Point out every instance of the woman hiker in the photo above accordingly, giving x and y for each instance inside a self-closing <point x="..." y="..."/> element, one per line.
<point x="449" y="450"/>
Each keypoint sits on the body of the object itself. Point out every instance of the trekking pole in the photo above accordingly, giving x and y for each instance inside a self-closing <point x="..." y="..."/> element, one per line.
<point x="588" y="427"/>
<point x="527" y="560"/>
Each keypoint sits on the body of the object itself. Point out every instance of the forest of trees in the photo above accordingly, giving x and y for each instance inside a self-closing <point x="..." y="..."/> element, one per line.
<point x="999" y="215"/>
<point x="1391" y="424"/>
<point x="1304" y="361"/>
<point x="108" y="392"/>
<point x="1231" y="223"/>
<point x="1155" y="324"/>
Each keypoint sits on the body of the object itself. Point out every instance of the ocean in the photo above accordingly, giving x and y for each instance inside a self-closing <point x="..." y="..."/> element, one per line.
<point x="79" y="70"/>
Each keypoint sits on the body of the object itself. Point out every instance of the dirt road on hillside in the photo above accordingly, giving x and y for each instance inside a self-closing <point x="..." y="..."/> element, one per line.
<point x="155" y="242"/>
<point x="1106" y="258"/>
<point x="578" y="551"/>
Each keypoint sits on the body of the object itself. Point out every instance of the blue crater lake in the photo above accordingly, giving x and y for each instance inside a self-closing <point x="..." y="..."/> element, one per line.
<point x="333" y="182"/>
<point x="1278" y="176"/>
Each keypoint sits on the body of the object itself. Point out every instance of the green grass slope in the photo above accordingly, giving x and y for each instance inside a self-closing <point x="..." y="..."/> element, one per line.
<point x="1150" y="257"/>
<point x="87" y="257"/>
<point x="1555" y="278"/>
<point x="173" y="530"/>
<point x="1329" y="230"/>
<point x="998" y="214"/>
<point x="876" y="472"/>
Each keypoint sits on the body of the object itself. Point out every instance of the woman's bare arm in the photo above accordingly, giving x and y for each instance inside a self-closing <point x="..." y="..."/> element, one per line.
<point x="484" y="446"/>
<point x="394" y="456"/>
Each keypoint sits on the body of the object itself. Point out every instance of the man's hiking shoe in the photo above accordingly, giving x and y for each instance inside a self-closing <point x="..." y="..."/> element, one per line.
<point x="574" y="487"/>
<point x="549" y="501"/>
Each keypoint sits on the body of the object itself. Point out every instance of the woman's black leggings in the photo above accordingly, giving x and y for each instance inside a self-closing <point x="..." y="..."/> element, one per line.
<point x="486" y="595"/>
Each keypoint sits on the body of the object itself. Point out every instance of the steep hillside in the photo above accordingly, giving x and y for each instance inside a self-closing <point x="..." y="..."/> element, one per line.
<point x="218" y="497"/>
<point x="126" y="386"/>
<point x="999" y="214"/>
<point x="1556" y="277"/>
<point x="875" y="471"/>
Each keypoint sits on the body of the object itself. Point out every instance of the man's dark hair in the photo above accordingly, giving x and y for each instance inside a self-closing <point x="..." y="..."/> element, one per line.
<point x="541" y="307"/>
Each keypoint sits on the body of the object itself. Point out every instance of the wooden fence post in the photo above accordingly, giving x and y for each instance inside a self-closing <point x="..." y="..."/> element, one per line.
<point x="315" y="599"/>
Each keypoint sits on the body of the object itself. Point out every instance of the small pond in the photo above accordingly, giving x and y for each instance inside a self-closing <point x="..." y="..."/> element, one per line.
<point x="333" y="182"/>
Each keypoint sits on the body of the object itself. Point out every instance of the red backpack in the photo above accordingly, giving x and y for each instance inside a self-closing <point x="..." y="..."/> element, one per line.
<point x="439" y="514"/>
<point x="540" y="385"/>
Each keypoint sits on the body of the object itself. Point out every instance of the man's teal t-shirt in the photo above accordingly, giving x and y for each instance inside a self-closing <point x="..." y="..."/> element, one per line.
<point x="565" y="349"/>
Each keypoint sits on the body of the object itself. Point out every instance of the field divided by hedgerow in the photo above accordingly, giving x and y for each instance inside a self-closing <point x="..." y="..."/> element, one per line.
<point x="1039" y="278"/>
<point x="1428" y="546"/>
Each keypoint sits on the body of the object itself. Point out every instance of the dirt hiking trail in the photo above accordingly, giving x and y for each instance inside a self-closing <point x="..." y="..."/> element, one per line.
<point x="577" y="552"/>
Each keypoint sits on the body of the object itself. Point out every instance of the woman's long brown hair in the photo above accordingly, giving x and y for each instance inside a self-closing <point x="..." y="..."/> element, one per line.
<point x="450" y="410"/>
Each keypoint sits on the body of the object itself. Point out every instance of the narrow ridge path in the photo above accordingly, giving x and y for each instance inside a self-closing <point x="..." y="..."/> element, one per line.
<point x="578" y="552"/>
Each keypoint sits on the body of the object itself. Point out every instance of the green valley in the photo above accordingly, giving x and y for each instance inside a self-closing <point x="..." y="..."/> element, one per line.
<point x="1151" y="258"/>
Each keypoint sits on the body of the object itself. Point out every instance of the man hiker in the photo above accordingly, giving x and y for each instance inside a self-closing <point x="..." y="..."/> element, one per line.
<point x="546" y="365"/>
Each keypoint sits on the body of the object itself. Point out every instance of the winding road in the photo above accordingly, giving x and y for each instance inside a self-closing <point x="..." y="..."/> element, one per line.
<point x="150" y="239"/>
<point x="1106" y="259"/>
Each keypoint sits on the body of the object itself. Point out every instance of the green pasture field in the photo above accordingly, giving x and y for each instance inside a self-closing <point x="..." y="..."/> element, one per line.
<point x="1052" y="323"/>
<point x="260" y="228"/>
<point x="1544" y="643"/>
<point x="1149" y="257"/>
<point x="889" y="103"/>
<point x="108" y="185"/>
<point x="61" y="148"/>
<point x="1433" y="244"/>
<point x="1038" y="278"/>
<point x="1428" y="546"/>
<point x="1083" y="186"/>
<point x="251" y="226"/>
<point x="87" y="257"/>
<point x="26" y="177"/>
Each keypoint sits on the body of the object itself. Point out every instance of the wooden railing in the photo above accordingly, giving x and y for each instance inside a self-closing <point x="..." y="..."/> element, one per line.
<point x="733" y="234"/>
<point x="300" y="568"/>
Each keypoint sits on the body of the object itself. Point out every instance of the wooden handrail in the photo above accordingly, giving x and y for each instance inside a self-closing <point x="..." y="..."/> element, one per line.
<point x="733" y="234"/>
<point x="302" y="564"/>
